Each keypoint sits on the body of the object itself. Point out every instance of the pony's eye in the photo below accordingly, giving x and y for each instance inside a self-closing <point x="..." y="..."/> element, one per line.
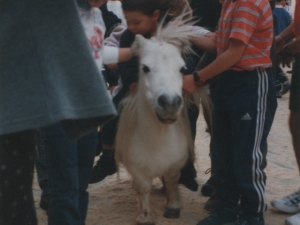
<point x="183" y="70"/>
<point x="145" y="69"/>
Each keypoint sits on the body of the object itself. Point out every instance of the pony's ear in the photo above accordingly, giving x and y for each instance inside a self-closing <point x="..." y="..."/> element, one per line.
<point x="137" y="44"/>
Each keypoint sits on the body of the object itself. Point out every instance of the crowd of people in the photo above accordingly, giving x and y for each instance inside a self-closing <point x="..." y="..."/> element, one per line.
<point x="59" y="59"/>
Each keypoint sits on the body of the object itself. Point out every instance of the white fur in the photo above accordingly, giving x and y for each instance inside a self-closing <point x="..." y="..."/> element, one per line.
<point x="147" y="147"/>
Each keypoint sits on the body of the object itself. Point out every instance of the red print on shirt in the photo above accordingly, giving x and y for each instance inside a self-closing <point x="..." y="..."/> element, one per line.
<point x="96" y="41"/>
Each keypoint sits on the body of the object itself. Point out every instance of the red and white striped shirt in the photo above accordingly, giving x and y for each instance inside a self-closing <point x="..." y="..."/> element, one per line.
<point x="249" y="21"/>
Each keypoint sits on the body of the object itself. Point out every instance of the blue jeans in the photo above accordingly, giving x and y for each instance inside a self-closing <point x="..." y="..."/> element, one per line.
<point x="69" y="165"/>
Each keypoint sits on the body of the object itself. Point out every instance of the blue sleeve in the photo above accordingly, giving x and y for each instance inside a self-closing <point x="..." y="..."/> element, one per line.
<point x="128" y="70"/>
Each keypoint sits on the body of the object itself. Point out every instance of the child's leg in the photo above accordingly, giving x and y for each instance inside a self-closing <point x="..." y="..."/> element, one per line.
<point x="106" y="164"/>
<point x="250" y="141"/>
<point x="222" y="160"/>
<point x="17" y="152"/>
<point x="251" y="105"/>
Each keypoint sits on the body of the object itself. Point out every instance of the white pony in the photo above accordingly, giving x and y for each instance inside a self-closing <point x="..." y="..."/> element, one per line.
<point x="154" y="138"/>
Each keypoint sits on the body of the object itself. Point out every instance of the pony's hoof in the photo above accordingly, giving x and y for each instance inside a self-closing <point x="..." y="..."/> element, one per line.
<point x="147" y="223"/>
<point x="172" y="213"/>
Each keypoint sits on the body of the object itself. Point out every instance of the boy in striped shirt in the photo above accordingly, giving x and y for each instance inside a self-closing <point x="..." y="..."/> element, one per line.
<point x="244" y="107"/>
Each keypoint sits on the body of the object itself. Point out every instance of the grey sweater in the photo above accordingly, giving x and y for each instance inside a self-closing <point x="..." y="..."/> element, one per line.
<point x="47" y="72"/>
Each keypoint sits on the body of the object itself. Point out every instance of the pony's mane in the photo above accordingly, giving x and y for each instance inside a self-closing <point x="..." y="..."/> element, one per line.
<point x="177" y="32"/>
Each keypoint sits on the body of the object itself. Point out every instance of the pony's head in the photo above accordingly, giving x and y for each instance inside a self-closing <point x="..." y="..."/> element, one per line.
<point x="160" y="70"/>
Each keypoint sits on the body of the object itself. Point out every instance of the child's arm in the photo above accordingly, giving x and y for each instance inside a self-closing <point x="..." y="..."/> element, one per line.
<point x="284" y="37"/>
<point x="203" y="38"/>
<point x="286" y="56"/>
<point x="113" y="55"/>
<point x="128" y="70"/>
<point x="206" y="43"/>
<point x="222" y="63"/>
<point x="124" y="54"/>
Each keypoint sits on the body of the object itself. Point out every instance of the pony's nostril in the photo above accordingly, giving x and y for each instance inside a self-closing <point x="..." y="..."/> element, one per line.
<point x="162" y="101"/>
<point x="178" y="101"/>
<point x="170" y="103"/>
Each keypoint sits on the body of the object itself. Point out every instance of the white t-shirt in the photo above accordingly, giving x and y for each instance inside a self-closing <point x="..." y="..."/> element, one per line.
<point x="94" y="28"/>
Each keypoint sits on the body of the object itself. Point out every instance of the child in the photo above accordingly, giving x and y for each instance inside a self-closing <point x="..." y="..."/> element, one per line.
<point x="143" y="17"/>
<point x="94" y="27"/>
<point x="244" y="107"/>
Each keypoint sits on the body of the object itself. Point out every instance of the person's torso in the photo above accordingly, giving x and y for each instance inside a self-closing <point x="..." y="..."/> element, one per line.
<point x="251" y="22"/>
<point x="282" y="19"/>
<point x="94" y="28"/>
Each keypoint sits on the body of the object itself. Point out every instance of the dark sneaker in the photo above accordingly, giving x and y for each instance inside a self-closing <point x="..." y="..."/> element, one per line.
<point x="188" y="175"/>
<point x="249" y="220"/>
<point x="219" y="218"/>
<point x="209" y="187"/>
<point x="104" y="167"/>
<point x="44" y="202"/>
<point x="189" y="182"/>
<point x="285" y="87"/>
<point x="211" y="203"/>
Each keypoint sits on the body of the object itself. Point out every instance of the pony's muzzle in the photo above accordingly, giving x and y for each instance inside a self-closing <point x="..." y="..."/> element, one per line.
<point x="168" y="108"/>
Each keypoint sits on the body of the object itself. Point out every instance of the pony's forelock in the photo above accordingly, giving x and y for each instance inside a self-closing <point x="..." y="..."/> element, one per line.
<point x="177" y="32"/>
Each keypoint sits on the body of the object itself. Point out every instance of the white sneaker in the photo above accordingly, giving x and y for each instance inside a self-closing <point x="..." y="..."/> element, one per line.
<point x="288" y="204"/>
<point x="293" y="220"/>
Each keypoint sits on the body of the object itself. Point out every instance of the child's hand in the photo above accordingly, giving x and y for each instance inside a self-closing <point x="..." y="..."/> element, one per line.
<point x="283" y="59"/>
<point x="212" y="36"/>
<point x="189" y="85"/>
<point x="112" y="66"/>
<point x="280" y="43"/>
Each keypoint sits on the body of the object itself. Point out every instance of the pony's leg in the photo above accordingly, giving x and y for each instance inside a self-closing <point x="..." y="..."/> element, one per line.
<point x="143" y="187"/>
<point x="173" y="197"/>
<point x="163" y="189"/>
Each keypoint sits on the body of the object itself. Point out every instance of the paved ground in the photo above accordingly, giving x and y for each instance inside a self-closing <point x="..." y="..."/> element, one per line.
<point x="114" y="202"/>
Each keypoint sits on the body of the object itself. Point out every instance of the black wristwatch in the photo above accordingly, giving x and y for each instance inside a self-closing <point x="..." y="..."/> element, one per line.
<point x="197" y="79"/>
<point x="287" y="51"/>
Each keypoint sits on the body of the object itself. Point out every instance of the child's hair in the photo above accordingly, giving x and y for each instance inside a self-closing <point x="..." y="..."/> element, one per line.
<point x="172" y="8"/>
<point x="145" y="6"/>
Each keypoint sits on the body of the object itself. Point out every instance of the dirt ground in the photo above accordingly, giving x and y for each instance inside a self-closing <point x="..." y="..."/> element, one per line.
<point x="113" y="201"/>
